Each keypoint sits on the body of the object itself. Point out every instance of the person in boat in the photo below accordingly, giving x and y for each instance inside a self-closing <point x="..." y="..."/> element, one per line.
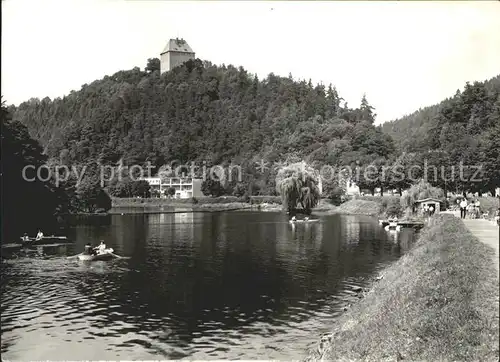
<point x="25" y="237"/>
<point x="89" y="250"/>
<point x="101" y="247"/>
<point x="306" y="218"/>
<point x="293" y="218"/>
<point x="39" y="236"/>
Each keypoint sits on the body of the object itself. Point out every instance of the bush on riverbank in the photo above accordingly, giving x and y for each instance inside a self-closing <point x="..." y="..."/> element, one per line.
<point x="489" y="204"/>
<point x="438" y="302"/>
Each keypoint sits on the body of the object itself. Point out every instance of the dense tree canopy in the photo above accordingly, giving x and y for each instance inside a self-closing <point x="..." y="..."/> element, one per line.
<point x="463" y="129"/>
<point x="222" y="115"/>
<point x="475" y="109"/>
<point x="198" y="113"/>
<point x="33" y="197"/>
<point x="28" y="202"/>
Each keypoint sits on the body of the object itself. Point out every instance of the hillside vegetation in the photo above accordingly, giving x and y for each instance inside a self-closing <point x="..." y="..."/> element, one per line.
<point x="464" y="128"/>
<point x="207" y="115"/>
<point x="31" y="199"/>
<point x="201" y="112"/>
<point x="475" y="109"/>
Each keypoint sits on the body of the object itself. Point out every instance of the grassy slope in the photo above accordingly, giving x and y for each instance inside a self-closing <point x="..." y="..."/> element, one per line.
<point x="360" y="207"/>
<point x="438" y="302"/>
<point x="352" y="207"/>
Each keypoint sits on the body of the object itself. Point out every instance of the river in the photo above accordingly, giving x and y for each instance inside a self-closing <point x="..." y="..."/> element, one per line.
<point x="229" y="285"/>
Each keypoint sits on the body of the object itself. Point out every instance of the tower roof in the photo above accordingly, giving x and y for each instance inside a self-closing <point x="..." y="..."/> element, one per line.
<point x="177" y="45"/>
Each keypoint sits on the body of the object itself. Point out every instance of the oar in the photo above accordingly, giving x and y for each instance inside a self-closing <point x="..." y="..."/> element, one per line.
<point x="119" y="257"/>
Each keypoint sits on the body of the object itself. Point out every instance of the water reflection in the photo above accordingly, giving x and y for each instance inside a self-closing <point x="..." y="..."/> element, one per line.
<point x="197" y="285"/>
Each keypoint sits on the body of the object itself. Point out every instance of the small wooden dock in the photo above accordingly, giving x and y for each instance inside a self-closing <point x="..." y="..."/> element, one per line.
<point x="393" y="224"/>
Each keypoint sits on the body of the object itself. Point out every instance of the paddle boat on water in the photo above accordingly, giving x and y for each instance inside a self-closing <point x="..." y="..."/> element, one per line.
<point x="393" y="226"/>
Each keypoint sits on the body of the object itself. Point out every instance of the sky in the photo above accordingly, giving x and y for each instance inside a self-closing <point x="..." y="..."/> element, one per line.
<point x="403" y="55"/>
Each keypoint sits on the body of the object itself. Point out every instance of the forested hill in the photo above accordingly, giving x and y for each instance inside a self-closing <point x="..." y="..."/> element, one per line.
<point x="202" y="112"/>
<point x="456" y="124"/>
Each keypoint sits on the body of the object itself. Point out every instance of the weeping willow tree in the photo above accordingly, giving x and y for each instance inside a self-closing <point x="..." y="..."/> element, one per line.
<point x="297" y="185"/>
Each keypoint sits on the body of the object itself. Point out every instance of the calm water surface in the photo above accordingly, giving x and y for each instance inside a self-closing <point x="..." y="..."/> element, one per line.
<point x="196" y="285"/>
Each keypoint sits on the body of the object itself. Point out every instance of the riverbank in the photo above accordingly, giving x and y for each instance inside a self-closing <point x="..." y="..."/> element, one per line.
<point x="256" y="203"/>
<point x="438" y="302"/>
<point x="180" y="208"/>
<point x="173" y="209"/>
<point x="352" y="207"/>
<point x="221" y="203"/>
<point x="264" y="203"/>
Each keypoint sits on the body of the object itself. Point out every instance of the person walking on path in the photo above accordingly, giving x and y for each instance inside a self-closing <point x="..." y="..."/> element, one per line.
<point x="477" y="206"/>
<point x="463" y="208"/>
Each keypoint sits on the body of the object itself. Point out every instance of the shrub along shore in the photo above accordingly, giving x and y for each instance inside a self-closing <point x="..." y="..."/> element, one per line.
<point x="438" y="302"/>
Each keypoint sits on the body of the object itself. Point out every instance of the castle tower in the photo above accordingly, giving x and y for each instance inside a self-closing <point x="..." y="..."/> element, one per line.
<point x="176" y="52"/>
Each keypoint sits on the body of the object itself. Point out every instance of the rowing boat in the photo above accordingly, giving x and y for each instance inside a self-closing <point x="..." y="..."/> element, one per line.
<point x="44" y="240"/>
<point x="106" y="255"/>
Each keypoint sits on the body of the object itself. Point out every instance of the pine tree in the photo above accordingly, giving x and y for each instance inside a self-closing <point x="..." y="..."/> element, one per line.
<point x="366" y="110"/>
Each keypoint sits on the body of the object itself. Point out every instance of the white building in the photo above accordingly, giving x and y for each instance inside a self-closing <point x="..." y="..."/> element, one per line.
<point x="153" y="181"/>
<point x="175" y="53"/>
<point x="352" y="189"/>
<point x="184" y="187"/>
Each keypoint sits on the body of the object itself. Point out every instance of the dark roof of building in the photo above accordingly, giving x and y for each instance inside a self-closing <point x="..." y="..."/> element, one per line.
<point x="177" y="45"/>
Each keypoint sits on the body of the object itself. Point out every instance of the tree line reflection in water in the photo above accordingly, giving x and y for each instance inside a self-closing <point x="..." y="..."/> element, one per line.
<point x="199" y="280"/>
<point x="196" y="262"/>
